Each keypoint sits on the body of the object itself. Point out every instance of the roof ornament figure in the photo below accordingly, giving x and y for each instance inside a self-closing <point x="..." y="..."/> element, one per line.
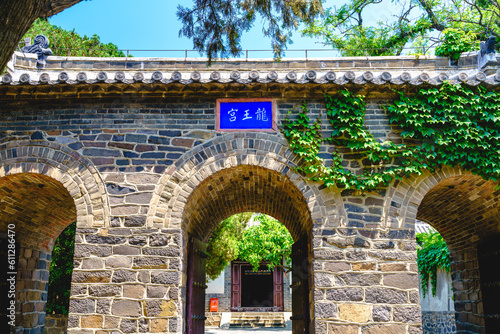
<point x="40" y="47"/>
<point x="487" y="55"/>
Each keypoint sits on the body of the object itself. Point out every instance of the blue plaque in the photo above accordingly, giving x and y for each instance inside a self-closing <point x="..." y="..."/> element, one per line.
<point x="254" y="114"/>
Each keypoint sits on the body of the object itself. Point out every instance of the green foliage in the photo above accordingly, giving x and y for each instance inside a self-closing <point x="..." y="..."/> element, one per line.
<point x="223" y="245"/>
<point x="432" y="254"/>
<point x="267" y="241"/>
<point x="451" y="125"/>
<point x="216" y="26"/>
<point x="456" y="41"/>
<point x="64" y="41"/>
<point x="61" y="269"/>
<point x="343" y="29"/>
<point x="411" y="22"/>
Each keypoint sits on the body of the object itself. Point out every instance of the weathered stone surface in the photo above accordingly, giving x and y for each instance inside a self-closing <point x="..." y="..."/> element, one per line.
<point x="393" y="266"/>
<point x="135" y="221"/>
<point x="119" y="262"/>
<point x="165" y="278"/>
<point x="134" y="291"/>
<point x="128" y="326"/>
<point x="120" y="276"/>
<point x="402" y="281"/>
<point x="158" y="240"/>
<point x="82" y="251"/>
<point x="160" y="308"/>
<point x="342" y="329"/>
<point x="364" y="266"/>
<point x="337" y="266"/>
<point x="156" y="291"/>
<point x="138" y="240"/>
<point x="381" y="313"/>
<point x="110" y="240"/>
<point x="345" y="294"/>
<point x="354" y="312"/>
<point x="326" y="310"/>
<point x="91" y="277"/>
<point x="126" y="308"/>
<point x="410" y="314"/>
<point x="328" y="254"/>
<point x="360" y="279"/>
<point x="105" y="290"/>
<point x="323" y="280"/>
<point x="159" y="325"/>
<point x="82" y="306"/>
<point x="126" y="250"/>
<point x="103" y="306"/>
<point x="92" y="321"/>
<point x="384" y="329"/>
<point x="151" y="263"/>
<point x="386" y="296"/>
<point x="167" y="251"/>
<point x="111" y="322"/>
<point x="92" y="264"/>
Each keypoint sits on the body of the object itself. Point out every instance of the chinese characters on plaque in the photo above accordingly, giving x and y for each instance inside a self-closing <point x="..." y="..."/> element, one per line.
<point x="245" y="115"/>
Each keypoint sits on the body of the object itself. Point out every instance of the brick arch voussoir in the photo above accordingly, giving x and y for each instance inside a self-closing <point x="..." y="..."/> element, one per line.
<point x="405" y="196"/>
<point x="226" y="151"/>
<point x="78" y="175"/>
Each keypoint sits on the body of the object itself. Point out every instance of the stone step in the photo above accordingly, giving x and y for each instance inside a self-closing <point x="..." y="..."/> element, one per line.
<point x="256" y="319"/>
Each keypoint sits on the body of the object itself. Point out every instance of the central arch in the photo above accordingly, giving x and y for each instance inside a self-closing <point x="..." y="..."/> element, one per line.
<point x="260" y="168"/>
<point x="239" y="189"/>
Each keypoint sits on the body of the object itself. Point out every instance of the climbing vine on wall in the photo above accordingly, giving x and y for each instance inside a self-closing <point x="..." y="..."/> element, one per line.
<point x="432" y="254"/>
<point x="450" y="125"/>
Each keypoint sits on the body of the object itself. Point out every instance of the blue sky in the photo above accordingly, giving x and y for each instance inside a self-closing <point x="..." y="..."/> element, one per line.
<point x="152" y="24"/>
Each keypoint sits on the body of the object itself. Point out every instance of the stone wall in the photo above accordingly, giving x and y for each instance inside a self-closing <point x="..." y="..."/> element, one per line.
<point x="129" y="274"/>
<point x="145" y="169"/>
<point x="56" y="324"/>
<point x="438" y="322"/>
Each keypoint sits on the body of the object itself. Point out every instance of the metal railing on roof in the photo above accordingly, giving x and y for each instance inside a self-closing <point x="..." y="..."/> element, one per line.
<point x="305" y="54"/>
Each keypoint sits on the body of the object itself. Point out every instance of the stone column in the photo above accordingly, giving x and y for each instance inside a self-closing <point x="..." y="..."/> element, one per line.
<point x="127" y="278"/>
<point x="31" y="289"/>
<point x="366" y="281"/>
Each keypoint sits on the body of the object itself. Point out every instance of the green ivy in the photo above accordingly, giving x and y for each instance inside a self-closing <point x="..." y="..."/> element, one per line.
<point x="432" y="254"/>
<point x="449" y="125"/>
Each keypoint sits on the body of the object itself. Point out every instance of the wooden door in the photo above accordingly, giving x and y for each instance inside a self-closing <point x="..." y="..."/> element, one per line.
<point x="197" y="258"/>
<point x="235" y="286"/>
<point x="300" y="287"/>
<point x="278" y="288"/>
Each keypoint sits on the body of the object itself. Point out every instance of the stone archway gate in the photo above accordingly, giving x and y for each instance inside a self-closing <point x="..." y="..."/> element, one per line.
<point x="131" y="147"/>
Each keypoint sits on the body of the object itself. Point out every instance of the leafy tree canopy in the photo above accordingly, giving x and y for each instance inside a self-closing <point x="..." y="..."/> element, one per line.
<point x="216" y="26"/>
<point x="64" y="41"/>
<point x="267" y="241"/>
<point x="344" y="27"/>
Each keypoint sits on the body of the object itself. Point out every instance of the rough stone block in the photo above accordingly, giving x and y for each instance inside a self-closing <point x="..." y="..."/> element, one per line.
<point x="126" y="308"/>
<point x="359" y="313"/>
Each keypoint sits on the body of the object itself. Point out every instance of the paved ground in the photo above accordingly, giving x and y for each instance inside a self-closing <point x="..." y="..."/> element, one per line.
<point x="248" y="331"/>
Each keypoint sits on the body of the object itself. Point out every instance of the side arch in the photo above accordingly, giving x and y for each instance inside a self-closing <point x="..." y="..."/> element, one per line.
<point x="465" y="209"/>
<point x="43" y="189"/>
<point x="78" y="176"/>
<point x="404" y="196"/>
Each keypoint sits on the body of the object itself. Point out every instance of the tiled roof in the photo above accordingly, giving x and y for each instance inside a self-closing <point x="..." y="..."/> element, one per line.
<point x="142" y="72"/>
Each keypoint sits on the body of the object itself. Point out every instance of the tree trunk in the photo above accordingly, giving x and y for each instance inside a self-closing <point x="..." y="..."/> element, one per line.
<point x="17" y="16"/>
